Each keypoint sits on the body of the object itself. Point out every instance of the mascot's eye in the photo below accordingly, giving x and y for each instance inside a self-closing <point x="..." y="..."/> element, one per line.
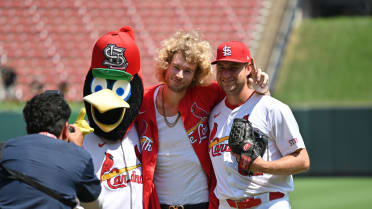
<point x="122" y="88"/>
<point x="98" y="84"/>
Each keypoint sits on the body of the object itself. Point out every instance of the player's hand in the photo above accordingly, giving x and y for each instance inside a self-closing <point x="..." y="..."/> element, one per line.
<point x="74" y="135"/>
<point x="258" y="80"/>
<point x="83" y="124"/>
<point x="256" y="165"/>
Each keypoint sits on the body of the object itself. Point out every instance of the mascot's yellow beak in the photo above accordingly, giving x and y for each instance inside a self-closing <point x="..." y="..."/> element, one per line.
<point x="103" y="101"/>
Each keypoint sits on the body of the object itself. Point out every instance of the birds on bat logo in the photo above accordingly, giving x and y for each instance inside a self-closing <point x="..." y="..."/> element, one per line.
<point x="116" y="178"/>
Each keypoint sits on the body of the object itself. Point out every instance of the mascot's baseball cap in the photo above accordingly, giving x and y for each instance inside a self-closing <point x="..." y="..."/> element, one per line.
<point x="116" y="55"/>
<point x="233" y="51"/>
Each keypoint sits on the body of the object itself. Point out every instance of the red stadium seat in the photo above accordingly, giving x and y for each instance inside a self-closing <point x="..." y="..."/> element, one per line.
<point x="36" y="31"/>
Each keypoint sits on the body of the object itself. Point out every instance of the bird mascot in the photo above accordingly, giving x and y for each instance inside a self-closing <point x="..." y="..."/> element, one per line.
<point x="113" y="93"/>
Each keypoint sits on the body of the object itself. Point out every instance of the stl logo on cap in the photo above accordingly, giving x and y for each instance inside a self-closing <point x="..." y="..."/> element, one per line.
<point x="114" y="57"/>
<point x="116" y="50"/>
<point x="226" y="51"/>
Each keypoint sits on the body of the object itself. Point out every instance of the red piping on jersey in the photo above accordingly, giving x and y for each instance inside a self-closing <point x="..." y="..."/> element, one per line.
<point x="235" y="106"/>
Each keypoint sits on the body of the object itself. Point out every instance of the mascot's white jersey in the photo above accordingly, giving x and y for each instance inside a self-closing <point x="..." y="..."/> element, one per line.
<point x="274" y="119"/>
<point x="120" y="173"/>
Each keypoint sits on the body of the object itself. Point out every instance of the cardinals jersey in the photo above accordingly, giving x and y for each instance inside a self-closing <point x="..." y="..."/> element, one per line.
<point x="119" y="168"/>
<point x="273" y="118"/>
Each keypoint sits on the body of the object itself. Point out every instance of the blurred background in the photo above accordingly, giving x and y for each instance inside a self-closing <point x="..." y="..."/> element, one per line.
<point x="318" y="54"/>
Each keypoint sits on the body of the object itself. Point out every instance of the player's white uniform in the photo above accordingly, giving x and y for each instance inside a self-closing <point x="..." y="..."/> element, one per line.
<point x="121" y="178"/>
<point x="273" y="118"/>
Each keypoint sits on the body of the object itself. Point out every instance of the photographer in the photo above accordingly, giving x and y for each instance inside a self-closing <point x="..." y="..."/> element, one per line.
<point x="49" y="155"/>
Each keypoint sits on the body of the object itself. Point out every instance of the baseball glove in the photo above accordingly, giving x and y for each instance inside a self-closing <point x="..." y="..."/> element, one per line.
<point x="248" y="142"/>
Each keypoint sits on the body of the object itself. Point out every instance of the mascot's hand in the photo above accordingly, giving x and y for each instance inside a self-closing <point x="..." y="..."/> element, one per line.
<point x="83" y="124"/>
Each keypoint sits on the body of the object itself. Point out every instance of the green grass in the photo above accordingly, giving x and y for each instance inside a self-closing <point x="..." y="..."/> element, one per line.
<point x="11" y="106"/>
<point x="18" y="106"/>
<point x="332" y="193"/>
<point x="328" y="62"/>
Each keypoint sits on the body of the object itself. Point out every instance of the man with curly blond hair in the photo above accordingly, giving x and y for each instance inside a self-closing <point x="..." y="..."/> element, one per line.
<point x="193" y="50"/>
<point x="177" y="169"/>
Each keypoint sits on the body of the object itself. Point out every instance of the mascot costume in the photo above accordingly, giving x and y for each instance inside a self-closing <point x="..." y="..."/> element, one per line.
<point x="113" y="93"/>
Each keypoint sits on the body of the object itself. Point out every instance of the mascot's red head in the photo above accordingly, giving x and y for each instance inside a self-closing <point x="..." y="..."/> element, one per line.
<point x="113" y="88"/>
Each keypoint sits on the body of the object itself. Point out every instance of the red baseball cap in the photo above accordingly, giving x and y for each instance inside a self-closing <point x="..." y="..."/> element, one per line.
<point x="233" y="51"/>
<point x="116" y="55"/>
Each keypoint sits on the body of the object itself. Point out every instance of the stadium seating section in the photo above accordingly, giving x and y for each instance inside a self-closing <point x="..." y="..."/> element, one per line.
<point x="51" y="41"/>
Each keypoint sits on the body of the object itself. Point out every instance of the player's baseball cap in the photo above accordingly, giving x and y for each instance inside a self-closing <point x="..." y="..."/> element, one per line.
<point x="233" y="51"/>
<point x="116" y="55"/>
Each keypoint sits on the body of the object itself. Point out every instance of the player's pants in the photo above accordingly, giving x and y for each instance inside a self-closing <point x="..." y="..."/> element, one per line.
<point x="281" y="203"/>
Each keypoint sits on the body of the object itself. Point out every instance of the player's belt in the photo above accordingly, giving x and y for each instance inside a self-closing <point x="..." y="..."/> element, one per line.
<point x="203" y="205"/>
<point x="252" y="201"/>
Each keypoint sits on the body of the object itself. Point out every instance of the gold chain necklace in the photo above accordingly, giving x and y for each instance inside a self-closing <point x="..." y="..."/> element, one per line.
<point x="169" y="124"/>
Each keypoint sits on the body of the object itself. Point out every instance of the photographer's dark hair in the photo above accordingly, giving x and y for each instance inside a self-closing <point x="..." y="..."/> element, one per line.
<point x="48" y="112"/>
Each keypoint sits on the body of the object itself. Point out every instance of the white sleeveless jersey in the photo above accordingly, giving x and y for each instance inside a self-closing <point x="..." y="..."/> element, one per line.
<point x="273" y="118"/>
<point x="121" y="178"/>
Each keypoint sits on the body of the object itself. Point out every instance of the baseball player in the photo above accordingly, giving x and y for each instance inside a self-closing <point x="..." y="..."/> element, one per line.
<point x="270" y="179"/>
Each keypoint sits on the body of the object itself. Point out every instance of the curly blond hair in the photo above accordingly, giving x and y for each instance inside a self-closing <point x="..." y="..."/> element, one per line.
<point x="195" y="51"/>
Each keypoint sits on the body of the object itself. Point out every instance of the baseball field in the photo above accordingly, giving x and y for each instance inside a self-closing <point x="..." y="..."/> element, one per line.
<point x="328" y="63"/>
<point x="332" y="193"/>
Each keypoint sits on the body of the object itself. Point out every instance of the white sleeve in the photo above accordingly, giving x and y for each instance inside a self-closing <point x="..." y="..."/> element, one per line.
<point x="284" y="129"/>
